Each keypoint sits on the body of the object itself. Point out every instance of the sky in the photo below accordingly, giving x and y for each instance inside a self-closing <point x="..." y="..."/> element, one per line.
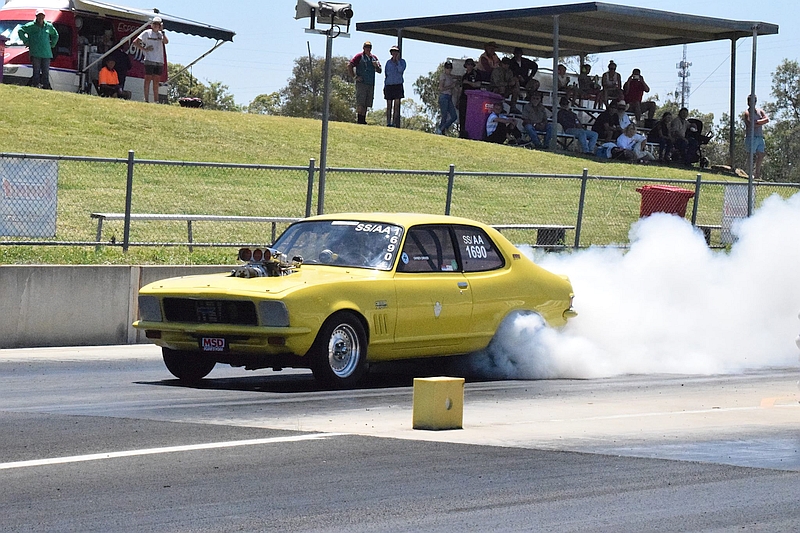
<point x="268" y="40"/>
<point x="667" y="305"/>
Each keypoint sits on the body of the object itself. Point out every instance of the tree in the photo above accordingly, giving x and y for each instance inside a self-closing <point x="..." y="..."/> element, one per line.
<point x="427" y="87"/>
<point x="786" y="91"/>
<point x="303" y="94"/>
<point x="183" y="85"/>
<point x="266" y="104"/>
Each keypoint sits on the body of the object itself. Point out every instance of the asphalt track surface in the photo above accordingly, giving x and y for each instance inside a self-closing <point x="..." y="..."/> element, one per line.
<point x="103" y="439"/>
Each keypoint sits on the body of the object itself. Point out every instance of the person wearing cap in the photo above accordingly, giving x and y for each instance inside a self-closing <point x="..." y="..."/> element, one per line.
<point x="393" y="86"/>
<point x="108" y="81"/>
<point x="152" y="43"/>
<point x="447" y="84"/>
<point x="363" y="68"/>
<point x="499" y="125"/>
<point x="572" y="126"/>
<point x="504" y="83"/>
<point x="536" y="120"/>
<point x="611" y="83"/>
<point x="634" y="90"/>
<point x="488" y="61"/>
<point x="470" y="81"/>
<point x="41" y="38"/>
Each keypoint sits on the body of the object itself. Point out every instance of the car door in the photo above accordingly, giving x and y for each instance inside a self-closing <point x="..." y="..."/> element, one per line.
<point x="486" y="271"/>
<point x="433" y="297"/>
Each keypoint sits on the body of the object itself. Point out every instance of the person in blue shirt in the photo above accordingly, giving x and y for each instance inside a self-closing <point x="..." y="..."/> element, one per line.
<point x="363" y="68"/>
<point x="393" y="88"/>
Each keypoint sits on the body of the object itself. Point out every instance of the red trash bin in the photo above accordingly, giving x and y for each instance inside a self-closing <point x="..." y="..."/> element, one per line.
<point x="663" y="199"/>
<point x="479" y="107"/>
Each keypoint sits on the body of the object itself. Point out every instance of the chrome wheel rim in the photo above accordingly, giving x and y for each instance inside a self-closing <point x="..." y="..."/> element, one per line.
<point x="344" y="350"/>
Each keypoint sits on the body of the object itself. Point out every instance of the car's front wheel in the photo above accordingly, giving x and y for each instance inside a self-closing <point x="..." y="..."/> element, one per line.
<point x="339" y="354"/>
<point x="187" y="366"/>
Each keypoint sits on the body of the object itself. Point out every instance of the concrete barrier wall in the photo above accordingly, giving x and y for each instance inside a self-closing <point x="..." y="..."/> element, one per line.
<point x="54" y="305"/>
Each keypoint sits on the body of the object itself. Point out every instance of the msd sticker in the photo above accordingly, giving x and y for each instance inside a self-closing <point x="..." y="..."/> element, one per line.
<point x="213" y="344"/>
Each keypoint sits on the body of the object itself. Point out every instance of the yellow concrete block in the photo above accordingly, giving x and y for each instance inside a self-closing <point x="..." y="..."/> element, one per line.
<point x="438" y="403"/>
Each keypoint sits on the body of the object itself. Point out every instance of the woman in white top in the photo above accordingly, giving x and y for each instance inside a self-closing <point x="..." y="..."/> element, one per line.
<point x="634" y="143"/>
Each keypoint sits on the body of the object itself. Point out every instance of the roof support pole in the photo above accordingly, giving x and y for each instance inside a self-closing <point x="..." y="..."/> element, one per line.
<point x="752" y="125"/>
<point x="732" y="129"/>
<point x="554" y="89"/>
<point x="398" y="115"/>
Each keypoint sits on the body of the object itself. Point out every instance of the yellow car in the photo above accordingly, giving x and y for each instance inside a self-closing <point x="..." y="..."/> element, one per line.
<point x="336" y="292"/>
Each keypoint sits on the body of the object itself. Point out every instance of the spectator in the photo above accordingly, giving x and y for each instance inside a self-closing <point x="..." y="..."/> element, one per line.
<point x="634" y="90"/>
<point x="363" y="68"/>
<point x="634" y="145"/>
<point x="469" y="82"/>
<point x="686" y="145"/>
<point x="123" y="63"/>
<point x="564" y="84"/>
<point x="41" y="38"/>
<point x="447" y="83"/>
<point x="660" y="134"/>
<point x="522" y="67"/>
<point x="504" y="83"/>
<point x="488" y="61"/>
<point x="605" y="125"/>
<point x="500" y="126"/>
<point x="532" y="86"/>
<point x="756" y="144"/>
<point x="620" y="120"/>
<point x="588" y="88"/>
<point x="572" y="126"/>
<point x="152" y="43"/>
<point x="612" y="84"/>
<point x="535" y="119"/>
<point x="393" y="87"/>
<point x="108" y="81"/>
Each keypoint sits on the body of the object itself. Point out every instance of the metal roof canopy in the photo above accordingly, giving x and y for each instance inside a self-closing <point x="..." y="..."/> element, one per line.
<point x="577" y="29"/>
<point x="585" y="28"/>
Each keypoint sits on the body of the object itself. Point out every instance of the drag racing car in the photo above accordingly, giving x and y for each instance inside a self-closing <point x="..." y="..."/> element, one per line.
<point x="337" y="292"/>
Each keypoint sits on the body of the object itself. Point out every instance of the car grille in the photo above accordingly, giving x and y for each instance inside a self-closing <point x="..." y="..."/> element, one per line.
<point x="210" y="311"/>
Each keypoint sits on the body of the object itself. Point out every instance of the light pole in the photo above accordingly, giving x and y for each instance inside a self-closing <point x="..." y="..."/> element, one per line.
<point x="334" y="14"/>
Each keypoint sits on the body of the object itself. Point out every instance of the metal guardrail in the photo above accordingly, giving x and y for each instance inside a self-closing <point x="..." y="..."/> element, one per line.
<point x="599" y="208"/>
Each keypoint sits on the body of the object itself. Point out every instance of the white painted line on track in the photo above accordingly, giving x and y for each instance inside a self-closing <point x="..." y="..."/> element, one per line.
<point x="168" y="449"/>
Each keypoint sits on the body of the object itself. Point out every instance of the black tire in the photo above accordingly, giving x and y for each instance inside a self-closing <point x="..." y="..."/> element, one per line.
<point x="189" y="367"/>
<point x="339" y="354"/>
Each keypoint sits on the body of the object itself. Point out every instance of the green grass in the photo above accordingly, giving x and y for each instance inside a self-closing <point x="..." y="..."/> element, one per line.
<point x="45" y="122"/>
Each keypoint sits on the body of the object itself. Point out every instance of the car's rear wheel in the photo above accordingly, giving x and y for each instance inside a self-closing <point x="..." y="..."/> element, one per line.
<point x="187" y="366"/>
<point x="339" y="354"/>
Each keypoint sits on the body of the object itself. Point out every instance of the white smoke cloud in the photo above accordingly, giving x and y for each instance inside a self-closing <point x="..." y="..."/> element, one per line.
<point x="667" y="305"/>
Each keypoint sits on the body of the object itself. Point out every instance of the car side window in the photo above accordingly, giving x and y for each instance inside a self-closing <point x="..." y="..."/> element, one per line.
<point x="478" y="251"/>
<point x="428" y="249"/>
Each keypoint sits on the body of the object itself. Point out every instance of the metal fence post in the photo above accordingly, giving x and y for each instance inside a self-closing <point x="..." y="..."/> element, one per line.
<point x="451" y="177"/>
<point x="581" y="201"/>
<point x="310" y="192"/>
<point x="126" y="235"/>
<point x="696" y="199"/>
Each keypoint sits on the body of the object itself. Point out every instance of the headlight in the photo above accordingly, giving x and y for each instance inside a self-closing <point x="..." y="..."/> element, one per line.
<point x="273" y="314"/>
<point x="149" y="309"/>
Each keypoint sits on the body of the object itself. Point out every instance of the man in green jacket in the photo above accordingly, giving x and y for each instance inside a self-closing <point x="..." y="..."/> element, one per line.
<point x="40" y="37"/>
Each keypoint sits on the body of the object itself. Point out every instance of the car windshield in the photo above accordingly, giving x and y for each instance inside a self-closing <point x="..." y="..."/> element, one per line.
<point x="348" y="243"/>
<point x="10" y="30"/>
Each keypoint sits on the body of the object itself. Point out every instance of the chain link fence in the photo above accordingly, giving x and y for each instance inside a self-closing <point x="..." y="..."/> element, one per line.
<point x="51" y="200"/>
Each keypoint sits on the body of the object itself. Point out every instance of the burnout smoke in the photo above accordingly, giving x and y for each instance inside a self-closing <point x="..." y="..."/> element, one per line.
<point x="667" y="305"/>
